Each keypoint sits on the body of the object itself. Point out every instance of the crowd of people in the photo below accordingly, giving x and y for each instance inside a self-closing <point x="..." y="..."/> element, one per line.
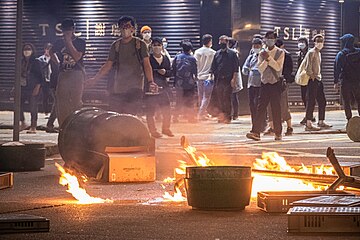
<point x="206" y="82"/>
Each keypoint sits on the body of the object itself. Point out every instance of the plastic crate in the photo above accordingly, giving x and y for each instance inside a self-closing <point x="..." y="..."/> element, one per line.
<point x="324" y="220"/>
<point x="279" y="201"/>
<point x="6" y="180"/>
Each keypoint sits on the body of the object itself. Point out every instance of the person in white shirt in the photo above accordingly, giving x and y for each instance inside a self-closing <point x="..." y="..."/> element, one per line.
<point x="204" y="57"/>
<point x="270" y="65"/>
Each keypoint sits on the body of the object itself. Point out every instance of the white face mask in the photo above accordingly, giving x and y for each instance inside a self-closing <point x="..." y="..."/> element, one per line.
<point x="157" y="49"/>
<point x="165" y="44"/>
<point x="146" y="36"/>
<point x="319" y="45"/>
<point x="126" y="33"/>
<point x="301" y="46"/>
<point x="270" y="42"/>
<point x="256" y="50"/>
<point x="27" y="53"/>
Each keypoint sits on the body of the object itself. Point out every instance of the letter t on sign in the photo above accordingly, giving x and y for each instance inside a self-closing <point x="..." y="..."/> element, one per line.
<point x="43" y="26"/>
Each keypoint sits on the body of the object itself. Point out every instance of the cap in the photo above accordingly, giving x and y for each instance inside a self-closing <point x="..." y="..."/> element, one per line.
<point x="257" y="41"/>
<point x="67" y="23"/>
<point x="145" y="28"/>
<point x="157" y="40"/>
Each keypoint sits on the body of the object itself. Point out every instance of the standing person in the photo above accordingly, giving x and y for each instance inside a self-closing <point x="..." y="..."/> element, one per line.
<point x="347" y="73"/>
<point x="46" y="71"/>
<point x="225" y="68"/>
<point x="53" y="83"/>
<point x="130" y="58"/>
<point x="303" y="46"/>
<point x="270" y="65"/>
<point x="69" y="52"/>
<point x="250" y="68"/>
<point x="287" y="78"/>
<point x="31" y="79"/>
<point x="161" y="70"/>
<point x="238" y="85"/>
<point x="204" y="57"/>
<point x="165" y="51"/>
<point x="315" y="88"/>
<point x="185" y="70"/>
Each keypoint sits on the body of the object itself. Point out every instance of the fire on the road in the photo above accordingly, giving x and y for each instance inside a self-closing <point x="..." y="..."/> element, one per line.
<point x="72" y="183"/>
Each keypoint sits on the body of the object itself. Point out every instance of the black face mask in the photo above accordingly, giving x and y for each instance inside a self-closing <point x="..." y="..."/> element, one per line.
<point x="223" y="46"/>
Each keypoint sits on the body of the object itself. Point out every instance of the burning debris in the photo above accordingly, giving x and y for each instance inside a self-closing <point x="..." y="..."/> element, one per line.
<point x="79" y="193"/>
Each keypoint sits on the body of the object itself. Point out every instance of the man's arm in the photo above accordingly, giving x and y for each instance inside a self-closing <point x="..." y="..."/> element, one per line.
<point x="101" y="73"/>
<point x="262" y="63"/>
<point x="278" y="64"/>
<point x="148" y="69"/>
<point x="76" y="55"/>
<point x="338" y="67"/>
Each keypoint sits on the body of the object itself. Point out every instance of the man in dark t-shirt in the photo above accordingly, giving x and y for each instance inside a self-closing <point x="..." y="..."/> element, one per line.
<point x="68" y="52"/>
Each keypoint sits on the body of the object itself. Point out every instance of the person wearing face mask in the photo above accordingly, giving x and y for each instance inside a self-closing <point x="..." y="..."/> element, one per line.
<point x="68" y="52"/>
<point x="31" y="79"/>
<point x="204" y="57"/>
<point x="165" y="51"/>
<point x="225" y="68"/>
<point x="303" y="46"/>
<point x="250" y="69"/>
<point x="315" y="88"/>
<point x="145" y="32"/>
<point x="270" y="65"/>
<point x="129" y="57"/>
<point x="161" y="70"/>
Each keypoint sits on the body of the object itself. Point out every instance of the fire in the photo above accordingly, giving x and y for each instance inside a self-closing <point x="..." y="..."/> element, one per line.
<point x="200" y="160"/>
<point x="74" y="188"/>
<point x="272" y="161"/>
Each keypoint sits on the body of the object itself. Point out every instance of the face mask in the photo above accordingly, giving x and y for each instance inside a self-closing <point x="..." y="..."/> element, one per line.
<point x="165" y="44"/>
<point x="146" y="36"/>
<point x="270" y="42"/>
<point x="256" y="50"/>
<point x="126" y="33"/>
<point x="301" y="46"/>
<point x="27" y="53"/>
<point x="319" y="45"/>
<point x="223" y="46"/>
<point x="157" y="49"/>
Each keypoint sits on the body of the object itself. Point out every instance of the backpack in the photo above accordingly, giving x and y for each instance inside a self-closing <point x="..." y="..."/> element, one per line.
<point x="351" y="70"/>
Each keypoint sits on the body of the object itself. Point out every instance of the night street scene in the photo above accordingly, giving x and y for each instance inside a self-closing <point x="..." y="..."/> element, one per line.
<point x="165" y="119"/>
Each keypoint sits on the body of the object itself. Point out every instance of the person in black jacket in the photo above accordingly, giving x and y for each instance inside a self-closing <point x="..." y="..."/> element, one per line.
<point x="161" y="71"/>
<point x="31" y="79"/>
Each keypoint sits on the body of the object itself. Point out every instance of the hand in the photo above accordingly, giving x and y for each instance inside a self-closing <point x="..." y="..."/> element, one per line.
<point x="265" y="55"/>
<point x="36" y="91"/>
<point x="233" y="83"/>
<point x="161" y="71"/>
<point x="153" y="87"/>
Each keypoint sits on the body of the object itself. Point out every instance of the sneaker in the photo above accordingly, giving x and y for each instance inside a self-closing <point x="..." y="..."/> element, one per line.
<point x="303" y="122"/>
<point x="168" y="133"/>
<point x="324" y="125"/>
<point x="278" y="137"/>
<point x="312" y="128"/>
<point x="156" y="135"/>
<point x="270" y="131"/>
<point x="289" y="131"/>
<point x="235" y="117"/>
<point x="51" y="130"/>
<point x="253" y="136"/>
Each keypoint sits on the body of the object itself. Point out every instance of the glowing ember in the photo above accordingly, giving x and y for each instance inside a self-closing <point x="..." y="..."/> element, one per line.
<point x="177" y="197"/>
<point x="272" y="161"/>
<point x="74" y="188"/>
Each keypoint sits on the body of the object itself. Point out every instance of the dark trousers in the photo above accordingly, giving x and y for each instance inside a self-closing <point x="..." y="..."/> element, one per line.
<point x="269" y="93"/>
<point x="350" y="91"/>
<point x="162" y="103"/>
<point x="26" y="95"/>
<point x="185" y="100"/>
<point x="52" y="117"/>
<point x="46" y="95"/>
<point x="254" y="94"/>
<point x="235" y="104"/>
<point x="223" y="91"/>
<point x="315" y="93"/>
<point x="303" y="94"/>
<point x="129" y="102"/>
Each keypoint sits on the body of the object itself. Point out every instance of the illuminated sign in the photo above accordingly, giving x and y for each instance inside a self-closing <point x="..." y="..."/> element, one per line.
<point x="293" y="33"/>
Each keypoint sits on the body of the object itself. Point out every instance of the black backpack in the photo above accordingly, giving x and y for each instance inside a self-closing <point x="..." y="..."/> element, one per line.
<point x="351" y="71"/>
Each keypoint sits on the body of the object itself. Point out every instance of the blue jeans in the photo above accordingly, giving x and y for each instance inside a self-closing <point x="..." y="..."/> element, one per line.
<point x="205" y="88"/>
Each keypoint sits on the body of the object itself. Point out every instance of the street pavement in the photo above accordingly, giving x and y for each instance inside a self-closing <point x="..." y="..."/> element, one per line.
<point x="138" y="211"/>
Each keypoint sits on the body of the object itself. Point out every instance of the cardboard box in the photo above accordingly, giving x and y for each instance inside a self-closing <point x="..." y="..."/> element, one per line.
<point x="132" y="167"/>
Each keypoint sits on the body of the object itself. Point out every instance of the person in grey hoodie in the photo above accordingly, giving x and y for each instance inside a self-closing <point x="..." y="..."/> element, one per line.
<point x="347" y="73"/>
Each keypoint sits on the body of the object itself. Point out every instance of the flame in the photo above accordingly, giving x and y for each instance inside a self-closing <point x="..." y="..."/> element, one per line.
<point x="272" y="161"/>
<point x="74" y="188"/>
<point x="177" y="197"/>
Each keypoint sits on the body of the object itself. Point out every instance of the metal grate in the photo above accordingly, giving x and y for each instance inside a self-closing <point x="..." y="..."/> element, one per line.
<point x="17" y="223"/>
